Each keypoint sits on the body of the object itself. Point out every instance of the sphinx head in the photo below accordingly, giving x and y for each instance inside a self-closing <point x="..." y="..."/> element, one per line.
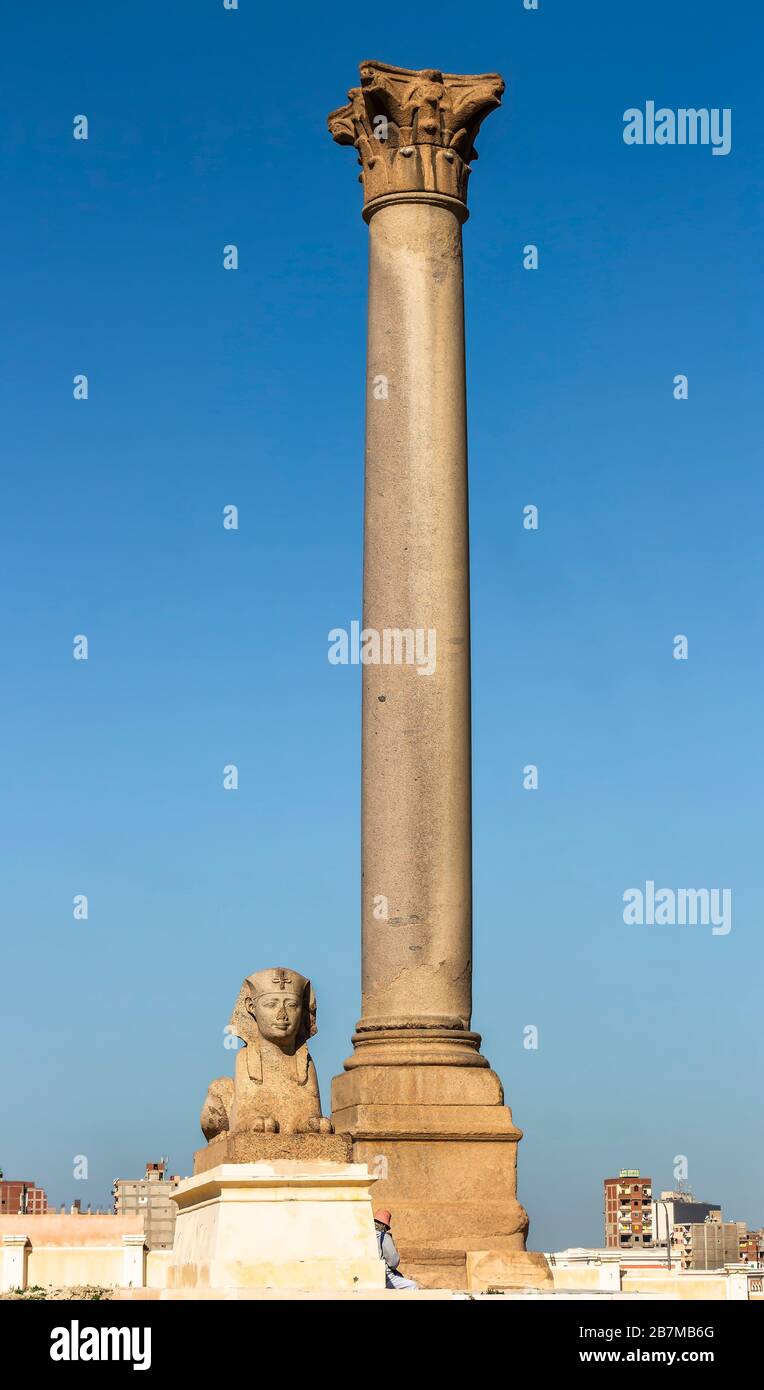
<point x="277" y="1005"/>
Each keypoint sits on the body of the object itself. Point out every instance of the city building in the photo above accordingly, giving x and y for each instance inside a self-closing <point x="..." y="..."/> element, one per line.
<point x="706" y="1244"/>
<point x="19" y="1198"/>
<point x="628" y="1210"/>
<point x="151" y="1198"/>
<point x="751" y="1244"/>
<point x="680" y="1209"/>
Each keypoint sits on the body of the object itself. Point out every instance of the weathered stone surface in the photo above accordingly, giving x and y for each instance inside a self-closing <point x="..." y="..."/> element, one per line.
<point x="520" y="1269"/>
<point x="425" y="1121"/>
<point x="449" y="1193"/>
<point x="247" y="1146"/>
<point x="434" y="1269"/>
<point x="275" y="1087"/>
<point x="415" y="1086"/>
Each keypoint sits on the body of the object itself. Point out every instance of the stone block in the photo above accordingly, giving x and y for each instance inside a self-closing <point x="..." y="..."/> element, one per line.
<point x="507" y="1269"/>
<point x="283" y="1224"/>
<point x="247" y="1146"/>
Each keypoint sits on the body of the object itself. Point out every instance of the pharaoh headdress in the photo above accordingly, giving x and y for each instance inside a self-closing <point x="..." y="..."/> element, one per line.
<point x="244" y="1025"/>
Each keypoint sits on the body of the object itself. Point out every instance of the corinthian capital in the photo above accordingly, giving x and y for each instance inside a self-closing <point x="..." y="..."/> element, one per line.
<point x="415" y="131"/>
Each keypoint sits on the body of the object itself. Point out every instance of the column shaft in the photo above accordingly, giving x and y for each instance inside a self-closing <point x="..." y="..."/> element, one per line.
<point x="416" y="804"/>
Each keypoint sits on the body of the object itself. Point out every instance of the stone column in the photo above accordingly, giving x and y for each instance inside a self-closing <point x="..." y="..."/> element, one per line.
<point x="417" y="1094"/>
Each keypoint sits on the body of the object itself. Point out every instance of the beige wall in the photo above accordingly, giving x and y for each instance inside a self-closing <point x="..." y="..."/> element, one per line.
<point x="63" y="1267"/>
<point x="578" y="1276"/>
<point x="649" y="1281"/>
<point x="157" y="1265"/>
<point x="56" y="1229"/>
<point x="62" y="1250"/>
<point x="682" y="1286"/>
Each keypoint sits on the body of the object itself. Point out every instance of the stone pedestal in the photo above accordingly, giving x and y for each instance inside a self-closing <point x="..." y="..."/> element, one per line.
<point x="285" y="1224"/>
<point x="445" y="1150"/>
<point x="246" y="1146"/>
<point x="417" y="1093"/>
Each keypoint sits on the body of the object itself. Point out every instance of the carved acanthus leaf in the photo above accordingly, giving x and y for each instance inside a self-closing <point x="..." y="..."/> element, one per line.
<point x="415" y="131"/>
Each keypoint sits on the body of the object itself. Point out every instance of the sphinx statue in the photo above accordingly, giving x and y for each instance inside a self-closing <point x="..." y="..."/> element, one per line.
<point x="275" y="1087"/>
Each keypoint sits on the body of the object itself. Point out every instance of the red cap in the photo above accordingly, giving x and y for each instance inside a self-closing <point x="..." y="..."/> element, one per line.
<point x="383" y="1215"/>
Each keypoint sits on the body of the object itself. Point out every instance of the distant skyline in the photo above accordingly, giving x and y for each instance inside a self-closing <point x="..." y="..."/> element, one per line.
<point x="209" y="646"/>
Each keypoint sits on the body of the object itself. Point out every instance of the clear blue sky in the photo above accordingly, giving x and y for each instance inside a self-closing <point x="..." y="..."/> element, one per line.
<point x="209" y="647"/>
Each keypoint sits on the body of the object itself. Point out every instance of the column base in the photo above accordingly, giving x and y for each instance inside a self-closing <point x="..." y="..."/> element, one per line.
<point x="427" y="1042"/>
<point x="444" y="1148"/>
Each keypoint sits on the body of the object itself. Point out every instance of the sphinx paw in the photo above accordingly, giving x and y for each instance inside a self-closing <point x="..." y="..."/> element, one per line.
<point x="264" y="1124"/>
<point x="216" y="1109"/>
<point x="318" y="1124"/>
